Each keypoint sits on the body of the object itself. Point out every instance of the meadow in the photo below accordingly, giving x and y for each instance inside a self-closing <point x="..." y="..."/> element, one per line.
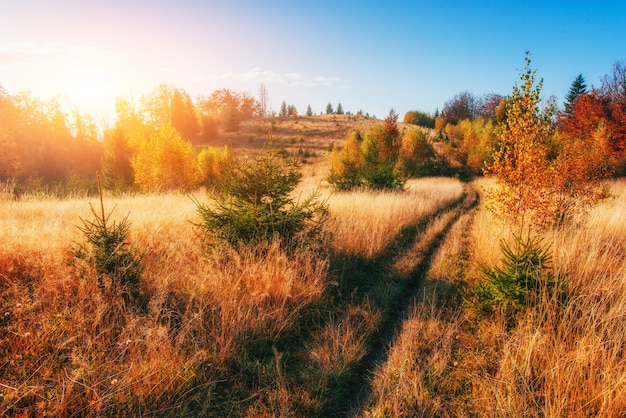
<point x="374" y="322"/>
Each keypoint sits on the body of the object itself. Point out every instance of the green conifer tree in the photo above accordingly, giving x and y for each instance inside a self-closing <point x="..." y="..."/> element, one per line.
<point x="578" y="88"/>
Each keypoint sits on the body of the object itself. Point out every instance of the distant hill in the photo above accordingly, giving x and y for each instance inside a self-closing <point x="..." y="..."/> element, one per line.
<point x="317" y="133"/>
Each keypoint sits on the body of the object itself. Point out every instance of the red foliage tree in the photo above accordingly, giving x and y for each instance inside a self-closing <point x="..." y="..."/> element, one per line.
<point x="597" y="115"/>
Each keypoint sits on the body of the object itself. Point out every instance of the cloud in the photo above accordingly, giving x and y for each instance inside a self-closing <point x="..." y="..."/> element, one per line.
<point x="30" y="53"/>
<point x="259" y="75"/>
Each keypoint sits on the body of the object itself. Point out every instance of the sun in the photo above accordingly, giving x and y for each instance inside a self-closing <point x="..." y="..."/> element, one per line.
<point x="92" y="92"/>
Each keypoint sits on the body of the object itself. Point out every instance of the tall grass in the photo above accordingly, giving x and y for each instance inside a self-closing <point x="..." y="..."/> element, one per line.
<point x="226" y="330"/>
<point x="562" y="358"/>
<point x="363" y="223"/>
<point x="66" y="350"/>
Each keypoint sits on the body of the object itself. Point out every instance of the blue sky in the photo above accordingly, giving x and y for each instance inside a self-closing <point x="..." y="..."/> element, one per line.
<point x="372" y="56"/>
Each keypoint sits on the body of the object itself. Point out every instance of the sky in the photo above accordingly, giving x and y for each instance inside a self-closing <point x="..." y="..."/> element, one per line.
<point x="367" y="55"/>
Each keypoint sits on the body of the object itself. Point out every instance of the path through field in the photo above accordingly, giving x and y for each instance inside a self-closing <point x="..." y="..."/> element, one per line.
<point x="411" y="256"/>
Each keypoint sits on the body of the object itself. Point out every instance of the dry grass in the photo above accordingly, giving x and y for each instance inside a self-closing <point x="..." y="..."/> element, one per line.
<point x="67" y="349"/>
<point x="363" y="223"/>
<point x="558" y="360"/>
<point x="317" y="133"/>
<point x="218" y="331"/>
<point x="262" y="332"/>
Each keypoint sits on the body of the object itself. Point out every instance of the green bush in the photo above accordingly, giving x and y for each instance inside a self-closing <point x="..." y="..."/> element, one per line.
<point x="253" y="203"/>
<point x="108" y="255"/>
<point x="523" y="280"/>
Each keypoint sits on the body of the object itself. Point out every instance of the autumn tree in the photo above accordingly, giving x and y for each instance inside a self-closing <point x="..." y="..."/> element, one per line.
<point x="213" y="164"/>
<point x="600" y="115"/>
<point x="116" y="167"/>
<point x="228" y="108"/>
<point x="44" y="146"/>
<point x="165" y="161"/>
<point x="10" y="149"/>
<point x="474" y="142"/>
<point x="419" y="118"/>
<point x="416" y="157"/>
<point x="370" y="162"/>
<point x="347" y="163"/>
<point x="520" y="164"/>
<point x="184" y="116"/>
<point x="168" y="105"/>
<point x="614" y="83"/>
<point x="462" y="106"/>
<point x="488" y="105"/>
<point x="156" y="106"/>
<point x="534" y="177"/>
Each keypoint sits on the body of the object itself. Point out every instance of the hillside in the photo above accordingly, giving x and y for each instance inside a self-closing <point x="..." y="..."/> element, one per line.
<point x="315" y="132"/>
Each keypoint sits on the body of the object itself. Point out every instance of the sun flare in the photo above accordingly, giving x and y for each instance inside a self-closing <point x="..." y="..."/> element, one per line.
<point x="92" y="92"/>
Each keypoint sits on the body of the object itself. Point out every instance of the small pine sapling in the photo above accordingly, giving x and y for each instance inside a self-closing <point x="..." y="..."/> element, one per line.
<point x="108" y="254"/>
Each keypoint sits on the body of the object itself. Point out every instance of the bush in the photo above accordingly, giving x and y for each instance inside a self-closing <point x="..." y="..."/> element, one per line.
<point x="523" y="280"/>
<point x="253" y="204"/>
<point x="213" y="163"/>
<point x="108" y="255"/>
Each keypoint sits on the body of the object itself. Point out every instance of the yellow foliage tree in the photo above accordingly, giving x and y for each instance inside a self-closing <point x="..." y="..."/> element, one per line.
<point x="165" y="161"/>
<point x="346" y="163"/>
<point x="213" y="163"/>
<point x="416" y="155"/>
<point x="520" y="164"/>
<point x="541" y="179"/>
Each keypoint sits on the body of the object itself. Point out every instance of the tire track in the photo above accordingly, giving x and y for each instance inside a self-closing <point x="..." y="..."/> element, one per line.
<point x="410" y="255"/>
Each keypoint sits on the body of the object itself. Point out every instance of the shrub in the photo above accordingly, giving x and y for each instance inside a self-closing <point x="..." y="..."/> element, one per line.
<point x="522" y="280"/>
<point x="109" y="256"/>
<point x="213" y="164"/>
<point x="253" y="203"/>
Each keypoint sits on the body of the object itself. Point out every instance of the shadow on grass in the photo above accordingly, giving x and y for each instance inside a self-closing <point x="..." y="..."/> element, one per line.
<point x="377" y="282"/>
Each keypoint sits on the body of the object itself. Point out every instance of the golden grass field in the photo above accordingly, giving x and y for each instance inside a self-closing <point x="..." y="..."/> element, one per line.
<point x="266" y="332"/>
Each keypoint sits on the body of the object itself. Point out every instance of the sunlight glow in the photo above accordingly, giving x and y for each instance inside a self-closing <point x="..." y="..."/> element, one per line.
<point x="91" y="92"/>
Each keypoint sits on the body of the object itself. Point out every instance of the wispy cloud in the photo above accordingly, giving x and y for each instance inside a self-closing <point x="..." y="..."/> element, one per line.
<point x="29" y="53"/>
<point x="259" y="75"/>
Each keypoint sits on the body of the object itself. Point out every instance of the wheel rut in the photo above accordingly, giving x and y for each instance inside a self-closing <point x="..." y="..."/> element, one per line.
<point x="410" y="255"/>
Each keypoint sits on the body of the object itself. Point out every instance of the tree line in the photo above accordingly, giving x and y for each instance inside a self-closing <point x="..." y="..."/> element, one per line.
<point x="43" y="146"/>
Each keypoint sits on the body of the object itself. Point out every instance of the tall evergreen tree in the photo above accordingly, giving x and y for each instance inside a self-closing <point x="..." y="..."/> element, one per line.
<point x="283" y="109"/>
<point x="329" y="109"/>
<point x="309" y="111"/>
<point x="183" y="115"/>
<point x="339" y="109"/>
<point x="578" y="88"/>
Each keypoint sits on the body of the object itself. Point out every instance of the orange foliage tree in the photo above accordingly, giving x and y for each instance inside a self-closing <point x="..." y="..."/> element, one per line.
<point x="541" y="178"/>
